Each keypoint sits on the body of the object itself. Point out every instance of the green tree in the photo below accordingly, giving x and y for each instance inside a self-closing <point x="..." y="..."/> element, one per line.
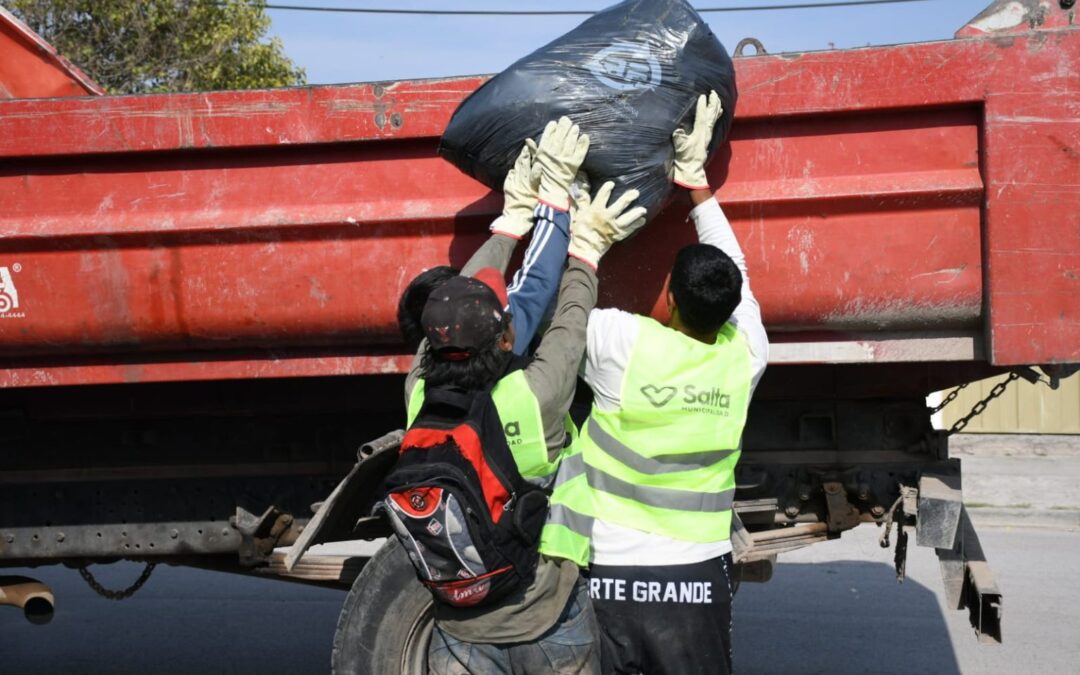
<point x="140" y="46"/>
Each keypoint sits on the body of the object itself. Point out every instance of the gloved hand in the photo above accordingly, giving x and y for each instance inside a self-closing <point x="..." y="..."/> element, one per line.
<point x="692" y="149"/>
<point x="595" y="225"/>
<point x="561" y="151"/>
<point x="519" y="195"/>
<point x="579" y="193"/>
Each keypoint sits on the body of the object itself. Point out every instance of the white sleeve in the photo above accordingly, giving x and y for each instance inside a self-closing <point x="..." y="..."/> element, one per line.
<point x="610" y="340"/>
<point x="714" y="229"/>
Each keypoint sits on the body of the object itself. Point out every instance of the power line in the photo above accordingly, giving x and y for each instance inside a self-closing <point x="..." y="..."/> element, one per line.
<point x="541" y="12"/>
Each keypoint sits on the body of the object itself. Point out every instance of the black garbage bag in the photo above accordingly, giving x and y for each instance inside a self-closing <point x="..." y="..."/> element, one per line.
<point x="629" y="76"/>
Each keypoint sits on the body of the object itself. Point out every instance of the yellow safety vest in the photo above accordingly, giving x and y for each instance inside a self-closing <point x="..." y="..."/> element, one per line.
<point x="519" y="412"/>
<point x="664" y="461"/>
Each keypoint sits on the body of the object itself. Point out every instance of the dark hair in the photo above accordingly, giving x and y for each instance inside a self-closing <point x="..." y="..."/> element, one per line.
<point x="411" y="304"/>
<point x="481" y="370"/>
<point x="707" y="286"/>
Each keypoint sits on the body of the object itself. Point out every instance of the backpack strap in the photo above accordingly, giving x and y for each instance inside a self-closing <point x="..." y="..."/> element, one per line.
<point x="456" y="399"/>
<point x="445" y="407"/>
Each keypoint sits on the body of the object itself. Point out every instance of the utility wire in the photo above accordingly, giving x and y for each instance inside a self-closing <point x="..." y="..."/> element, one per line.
<point x="540" y="12"/>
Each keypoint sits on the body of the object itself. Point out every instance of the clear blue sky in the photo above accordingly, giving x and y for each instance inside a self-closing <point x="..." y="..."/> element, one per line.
<point x="337" y="48"/>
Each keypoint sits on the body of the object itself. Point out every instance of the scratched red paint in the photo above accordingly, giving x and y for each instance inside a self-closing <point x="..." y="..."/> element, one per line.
<point x="32" y="68"/>
<point x="928" y="188"/>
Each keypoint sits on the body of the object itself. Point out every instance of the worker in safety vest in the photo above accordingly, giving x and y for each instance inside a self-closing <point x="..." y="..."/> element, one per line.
<point x="646" y="494"/>
<point x="469" y="341"/>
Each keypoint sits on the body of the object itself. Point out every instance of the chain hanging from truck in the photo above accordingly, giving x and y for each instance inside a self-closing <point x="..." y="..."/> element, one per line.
<point x="905" y="505"/>
<point x="952" y="396"/>
<point x="979" y="407"/>
<point x="108" y="594"/>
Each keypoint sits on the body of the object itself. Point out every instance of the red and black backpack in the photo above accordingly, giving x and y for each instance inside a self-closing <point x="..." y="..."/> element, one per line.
<point x="458" y="504"/>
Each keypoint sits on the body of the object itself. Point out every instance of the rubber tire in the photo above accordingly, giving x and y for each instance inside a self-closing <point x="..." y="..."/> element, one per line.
<point x="386" y="622"/>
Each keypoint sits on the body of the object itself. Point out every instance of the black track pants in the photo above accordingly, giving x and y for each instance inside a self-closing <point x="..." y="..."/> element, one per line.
<point x="671" y="619"/>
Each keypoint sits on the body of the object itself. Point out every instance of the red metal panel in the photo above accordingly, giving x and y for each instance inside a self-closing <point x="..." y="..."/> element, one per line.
<point x="873" y="190"/>
<point x="234" y="119"/>
<point x="838" y="234"/>
<point x="31" y="68"/>
<point x="183" y="367"/>
<point x="833" y="223"/>
<point x="288" y="246"/>
<point x="1033" y="224"/>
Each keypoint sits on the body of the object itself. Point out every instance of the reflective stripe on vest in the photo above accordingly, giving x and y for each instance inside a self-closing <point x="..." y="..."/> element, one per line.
<point x="519" y="413"/>
<point x="660" y="464"/>
<point x="664" y="462"/>
<point x="569" y="524"/>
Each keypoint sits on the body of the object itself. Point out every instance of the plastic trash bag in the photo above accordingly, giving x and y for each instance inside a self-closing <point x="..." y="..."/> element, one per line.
<point x="629" y="76"/>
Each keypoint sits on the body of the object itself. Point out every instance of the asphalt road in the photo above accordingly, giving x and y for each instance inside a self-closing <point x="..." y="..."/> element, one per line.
<point x="833" y="608"/>
<point x="837" y="608"/>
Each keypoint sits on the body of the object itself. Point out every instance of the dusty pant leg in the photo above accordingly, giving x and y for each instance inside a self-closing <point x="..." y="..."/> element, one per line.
<point x="673" y="619"/>
<point x="702" y="645"/>
<point x="570" y="647"/>
<point x="620" y="623"/>
<point x="449" y="656"/>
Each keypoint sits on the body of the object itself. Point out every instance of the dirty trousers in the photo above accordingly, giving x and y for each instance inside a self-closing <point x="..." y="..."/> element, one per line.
<point x="668" y="619"/>
<point x="570" y="647"/>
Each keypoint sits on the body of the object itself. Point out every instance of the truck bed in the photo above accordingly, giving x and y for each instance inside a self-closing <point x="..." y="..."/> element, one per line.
<point x="916" y="203"/>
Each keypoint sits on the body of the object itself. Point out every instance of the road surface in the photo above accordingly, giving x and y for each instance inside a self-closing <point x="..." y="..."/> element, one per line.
<point x="833" y="608"/>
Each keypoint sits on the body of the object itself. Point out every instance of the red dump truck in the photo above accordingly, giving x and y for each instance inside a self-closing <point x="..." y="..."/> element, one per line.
<point x="199" y="291"/>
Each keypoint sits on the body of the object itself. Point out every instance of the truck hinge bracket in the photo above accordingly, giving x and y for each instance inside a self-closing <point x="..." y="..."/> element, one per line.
<point x="260" y="534"/>
<point x="842" y="515"/>
<point x="969" y="583"/>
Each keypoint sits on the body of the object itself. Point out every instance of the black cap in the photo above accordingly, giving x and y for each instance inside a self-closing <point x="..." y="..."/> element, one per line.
<point x="461" y="317"/>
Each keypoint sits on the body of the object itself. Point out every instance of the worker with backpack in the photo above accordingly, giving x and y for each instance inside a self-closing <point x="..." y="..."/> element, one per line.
<point x="468" y="497"/>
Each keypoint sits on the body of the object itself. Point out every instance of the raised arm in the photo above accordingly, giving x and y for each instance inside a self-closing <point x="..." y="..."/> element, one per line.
<point x="536" y="191"/>
<point x="713" y="228"/>
<point x="553" y="373"/>
<point x="535" y="283"/>
<point x="519" y="198"/>
<point x="556" y="161"/>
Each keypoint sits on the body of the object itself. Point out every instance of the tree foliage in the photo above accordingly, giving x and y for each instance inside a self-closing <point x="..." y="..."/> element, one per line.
<point x="140" y="46"/>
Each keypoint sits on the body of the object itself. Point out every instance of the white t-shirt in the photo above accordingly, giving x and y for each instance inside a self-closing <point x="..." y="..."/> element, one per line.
<point x="611" y="337"/>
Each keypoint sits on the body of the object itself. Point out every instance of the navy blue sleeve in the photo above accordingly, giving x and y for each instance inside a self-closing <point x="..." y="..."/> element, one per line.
<point x="536" y="284"/>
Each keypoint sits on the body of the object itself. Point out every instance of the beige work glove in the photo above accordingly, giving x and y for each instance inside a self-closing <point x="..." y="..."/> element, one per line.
<point x="579" y="193"/>
<point x="519" y="195"/>
<point x="561" y="151"/>
<point x="595" y="225"/>
<point x="692" y="149"/>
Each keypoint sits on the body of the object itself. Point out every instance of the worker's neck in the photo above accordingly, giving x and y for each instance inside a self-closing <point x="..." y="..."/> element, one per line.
<point x="676" y="324"/>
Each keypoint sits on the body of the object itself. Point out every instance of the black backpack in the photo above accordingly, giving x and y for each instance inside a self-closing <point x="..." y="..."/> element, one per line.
<point x="458" y="504"/>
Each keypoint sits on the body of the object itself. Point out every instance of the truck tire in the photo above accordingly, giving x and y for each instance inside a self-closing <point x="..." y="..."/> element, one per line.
<point x="386" y="622"/>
